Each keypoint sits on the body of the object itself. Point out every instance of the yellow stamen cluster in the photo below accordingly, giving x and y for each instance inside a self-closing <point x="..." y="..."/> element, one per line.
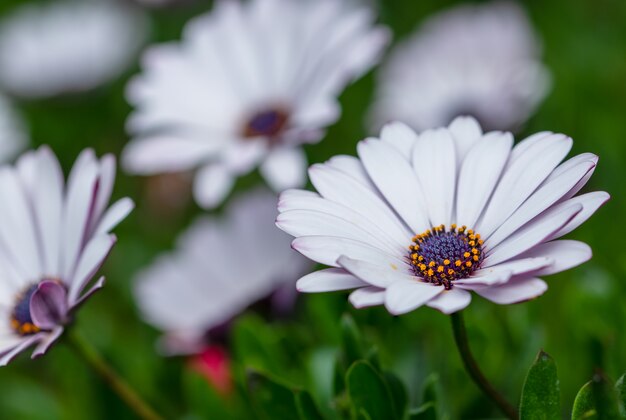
<point x="441" y="255"/>
<point x="25" y="328"/>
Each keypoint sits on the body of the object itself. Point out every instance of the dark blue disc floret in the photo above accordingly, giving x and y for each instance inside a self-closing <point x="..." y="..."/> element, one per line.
<point x="441" y="255"/>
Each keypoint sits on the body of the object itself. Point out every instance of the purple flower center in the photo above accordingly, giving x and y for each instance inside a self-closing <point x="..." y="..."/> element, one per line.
<point x="21" y="320"/>
<point x="41" y="306"/>
<point x="266" y="123"/>
<point x="440" y="256"/>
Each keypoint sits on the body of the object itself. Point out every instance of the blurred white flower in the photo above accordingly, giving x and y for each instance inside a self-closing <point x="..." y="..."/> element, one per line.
<point x="220" y="267"/>
<point x="53" y="239"/>
<point x="249" y="83"/>
<point x="13" y="133"/>
<point x="67" y="46"/>
<point x="425" y="220"/>
<point x="479" y="60"/>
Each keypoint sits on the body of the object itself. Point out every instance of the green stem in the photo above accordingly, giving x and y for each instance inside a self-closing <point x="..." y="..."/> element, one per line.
<point x="460" y="337"/>
<point x="91" y="356"/>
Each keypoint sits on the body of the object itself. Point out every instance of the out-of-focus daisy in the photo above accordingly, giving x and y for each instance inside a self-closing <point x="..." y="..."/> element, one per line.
<point x="53" y="239"/>
<point x="249" y="83"/>
<point x="426" y="219"/>
<point x="13" y="134"/>
<point x="67" y="46"/>
<point x="479" y="60"/>
<point x="220" y="267"/>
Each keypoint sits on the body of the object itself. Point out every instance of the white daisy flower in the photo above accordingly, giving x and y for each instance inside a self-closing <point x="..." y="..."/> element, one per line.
<point x="53" y="239"/>
<point x="249" y="83"/>
<point x="425" y="219"/>
<point x="13" y="133"/>
<point x="67" y="46"/>
<point x="220" y="267"/>
<point x="478" y="60"/>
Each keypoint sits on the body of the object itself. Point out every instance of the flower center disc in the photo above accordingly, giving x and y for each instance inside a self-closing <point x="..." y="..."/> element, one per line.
<point x="441" y="255"/>
<point x="266" y="123"/>
<point x="21" y="320"/>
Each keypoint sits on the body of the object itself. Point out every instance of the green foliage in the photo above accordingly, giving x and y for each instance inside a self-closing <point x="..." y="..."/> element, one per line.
<point x="541" y="397"/>
<point x="273" y="400"/>
<point x="369" y="393"/>
<point x="597" y="399"/>
<point x="620" y="386"/>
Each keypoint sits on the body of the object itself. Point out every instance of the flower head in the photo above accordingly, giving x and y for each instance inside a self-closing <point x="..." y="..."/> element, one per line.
<point x="425" y="219"/>
<point x="478" y="60"/>
<point x="249" y="83"/>
<point x="13" y="134"/>
<point x="53" y="239"/>
<point x="220" y="267"/>
<point x="67" y="46"/>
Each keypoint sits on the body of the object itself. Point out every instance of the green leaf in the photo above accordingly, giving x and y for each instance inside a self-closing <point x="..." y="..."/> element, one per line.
<point x="427" y="411"/>
<point x="270" y="399"/>
<point x="369" y="393"/>
<point x="541" y="395"/>
<point x="597" y="399"/>
<point x="398" y="393"/>
<point x="584" y="404"/>
<point x="431" y="389"/>
<point x="306" y="406"/>
<point x="202" y="397"/>
<point x="605" y="397"/>
<point x="352" y="345"/>
<point x="620" y="386"/>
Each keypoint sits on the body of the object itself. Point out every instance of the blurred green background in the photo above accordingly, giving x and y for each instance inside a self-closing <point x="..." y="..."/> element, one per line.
<point x="580" y="321"/>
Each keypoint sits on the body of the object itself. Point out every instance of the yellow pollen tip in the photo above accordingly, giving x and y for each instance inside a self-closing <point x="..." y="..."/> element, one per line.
<point x="446" y="262"/>
<point x="430" y="272"/>
<point x="440" y="269"/>
<point x="466" y="254"/>
<point x="468" y="264"/>
<point x="432" y="264"/>
<point x="458" y="263"/>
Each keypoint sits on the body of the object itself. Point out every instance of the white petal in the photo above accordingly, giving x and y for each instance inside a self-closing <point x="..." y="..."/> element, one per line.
<point x="484" y="278"/>
<point x="285" y="168"/>
<point x="314" y="223"/>
<point x="48" y="206"/>
<point x="306" y="200"/>
<point x="166" y="154"/>
<point x="23" y="345"/>
<point x="521" y="177"/>
<point x="17" y="231"/>
<point x="211" y="185"/>
<point x="480" y="172"/>
<point x="565" y="254"/>
<point x="450" y="301"/>
<point x="466" y="132"/>
<point x="352" y="166"/>
<point x="434" y="162"/>
<point x="556" y="186"/>
<point x="589" y="157"/>
<point x="366" y="297"/>
<point x="336" y="186"/>
<point x="590" y="202"/>
<point x="106" y="180"/>
<point x="515" y="291"/>
<point x="77" y="210"/>
<point x="396" y="180"/>
<point x="532" y="234"/>
<point x="114" y="215"/>
<point x="45" y="343"/>
<point x="90" y="261"/>
<point x="327" y="249"/>
<point x="519" y="266"/>
<point x="379" y="275"/>
<point x="404" y="296"/>
<point x="400" y="136"/>
<point x="328" y="280"/>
